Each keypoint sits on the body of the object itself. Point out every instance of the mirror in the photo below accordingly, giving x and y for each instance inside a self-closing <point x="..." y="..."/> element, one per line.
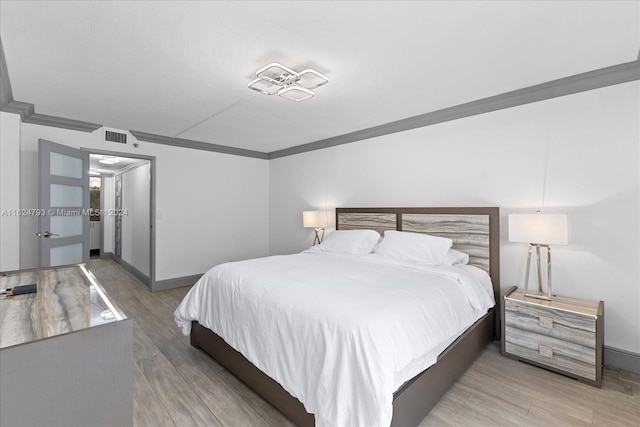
<point x="94" y="198"/>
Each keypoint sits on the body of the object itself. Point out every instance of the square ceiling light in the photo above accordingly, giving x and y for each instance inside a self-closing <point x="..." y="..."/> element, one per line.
<point x="296" y="93"/>
<point x="264" y="86"/>
<point x="311" y="79"/>
<point x="287" y="83"/>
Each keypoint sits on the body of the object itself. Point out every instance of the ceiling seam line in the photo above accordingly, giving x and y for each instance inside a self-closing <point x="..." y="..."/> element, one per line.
<point x="217" y="113"/>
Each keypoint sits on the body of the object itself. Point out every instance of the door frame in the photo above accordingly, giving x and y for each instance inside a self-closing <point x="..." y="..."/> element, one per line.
<point x="152" y="207"/>
<point x="117" y="188"/>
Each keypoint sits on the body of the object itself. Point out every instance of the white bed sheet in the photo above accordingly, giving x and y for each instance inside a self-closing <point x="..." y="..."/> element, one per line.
<point x="340" y="333"/>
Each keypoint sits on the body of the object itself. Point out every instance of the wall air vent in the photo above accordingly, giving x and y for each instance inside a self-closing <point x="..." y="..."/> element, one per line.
<point x="115" y="137"/>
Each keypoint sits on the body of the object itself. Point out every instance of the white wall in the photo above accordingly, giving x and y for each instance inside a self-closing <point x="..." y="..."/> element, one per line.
<point x="210" y="207"/>
<point x="9" y="193"/>
<point x="136" y="190"/>
<point x="577" y="154"/>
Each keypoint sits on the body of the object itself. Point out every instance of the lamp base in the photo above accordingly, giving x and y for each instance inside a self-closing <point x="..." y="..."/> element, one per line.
<point x="539" y="294"/>
<point x="319" y="237"/>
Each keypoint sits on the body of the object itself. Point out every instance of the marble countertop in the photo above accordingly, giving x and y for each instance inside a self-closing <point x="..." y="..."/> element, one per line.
<point x="68" y="299"/>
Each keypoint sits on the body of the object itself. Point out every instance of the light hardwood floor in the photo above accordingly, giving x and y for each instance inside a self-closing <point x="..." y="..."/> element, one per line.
<point x="177" y="385"/>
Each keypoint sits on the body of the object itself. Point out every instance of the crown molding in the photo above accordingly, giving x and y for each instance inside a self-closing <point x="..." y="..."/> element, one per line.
<point x="197" y="145"/>
<point x="27" y="111"/>
<point x="61" y="122"/>
<point x="6" y="95"/>
<point x="603" y="77"/>
<point x="24" y="109"/>
<point x="609" y="76"/>
<point x="28" y="115"/>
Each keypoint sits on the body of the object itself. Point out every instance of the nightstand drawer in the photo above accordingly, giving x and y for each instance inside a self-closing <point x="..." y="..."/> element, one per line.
<point x="563" y="325"/>
<point x="572" y="358"/>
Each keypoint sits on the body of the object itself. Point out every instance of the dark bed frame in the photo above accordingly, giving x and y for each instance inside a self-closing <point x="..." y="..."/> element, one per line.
<point x="473" y="230"/>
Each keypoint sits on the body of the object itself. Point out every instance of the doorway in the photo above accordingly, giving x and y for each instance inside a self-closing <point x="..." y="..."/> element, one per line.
<point x="124" y="225"/>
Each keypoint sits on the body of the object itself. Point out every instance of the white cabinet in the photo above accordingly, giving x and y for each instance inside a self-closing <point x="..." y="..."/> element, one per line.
<point x="94" y="234"/>
<point x="74" y="368"/>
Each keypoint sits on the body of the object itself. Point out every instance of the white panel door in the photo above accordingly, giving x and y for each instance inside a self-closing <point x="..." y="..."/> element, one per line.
<point x="63" y="192"/>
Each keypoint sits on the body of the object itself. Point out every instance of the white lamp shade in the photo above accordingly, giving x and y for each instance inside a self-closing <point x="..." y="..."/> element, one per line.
<point x="541" y="229"/>
<point x="316" y="219"/>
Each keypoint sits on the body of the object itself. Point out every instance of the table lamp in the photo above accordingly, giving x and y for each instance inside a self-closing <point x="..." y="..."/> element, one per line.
<point x="318" y="220"/>
<point x="538" y="230"/>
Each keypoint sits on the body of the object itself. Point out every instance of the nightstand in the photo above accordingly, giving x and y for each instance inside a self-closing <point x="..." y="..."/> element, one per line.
<point x="564" y="335"/>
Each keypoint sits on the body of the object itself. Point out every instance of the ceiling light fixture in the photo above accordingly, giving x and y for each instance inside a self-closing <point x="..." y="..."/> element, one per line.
<point x="109" y="160"/>
<point x="287" y="83"/>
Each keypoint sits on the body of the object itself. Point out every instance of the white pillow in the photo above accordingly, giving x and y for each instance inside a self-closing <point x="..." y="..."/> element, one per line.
<point x="455" y="257"/>
<point x="414" y="247"/>
<point x="358" y="242"/>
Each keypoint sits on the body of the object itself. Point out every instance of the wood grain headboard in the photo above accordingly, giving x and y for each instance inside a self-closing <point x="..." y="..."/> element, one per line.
<point x="475" y="231"/>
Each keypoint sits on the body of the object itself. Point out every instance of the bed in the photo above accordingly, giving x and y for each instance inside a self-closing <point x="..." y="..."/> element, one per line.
<point x="472" y="230"/>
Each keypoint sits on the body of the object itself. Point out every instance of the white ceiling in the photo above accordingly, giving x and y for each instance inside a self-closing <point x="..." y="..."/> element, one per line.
<point x="181" y="69"/>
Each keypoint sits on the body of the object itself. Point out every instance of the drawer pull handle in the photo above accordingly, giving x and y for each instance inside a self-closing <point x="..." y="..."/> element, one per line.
<point x="546" y="351"/>
<point x="546" y="322"/>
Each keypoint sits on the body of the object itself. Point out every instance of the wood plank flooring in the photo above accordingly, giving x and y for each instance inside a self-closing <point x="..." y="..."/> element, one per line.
<point x="177" y="385"/>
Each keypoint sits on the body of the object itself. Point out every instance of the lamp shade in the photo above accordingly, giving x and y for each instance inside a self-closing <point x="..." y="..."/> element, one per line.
<point x="538" y="228"/>
<point x="316" y="219"/>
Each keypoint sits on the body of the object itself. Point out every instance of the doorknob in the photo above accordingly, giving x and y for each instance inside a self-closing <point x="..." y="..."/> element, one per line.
<point x="46" y="234"/>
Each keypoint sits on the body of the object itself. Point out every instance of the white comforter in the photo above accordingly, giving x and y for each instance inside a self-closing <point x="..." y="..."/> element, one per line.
<point x="340" y="333"/>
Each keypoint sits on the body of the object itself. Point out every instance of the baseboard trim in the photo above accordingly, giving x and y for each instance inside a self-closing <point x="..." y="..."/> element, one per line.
<point x="106" y="255"/>
<point x="134" y="272"/>
<point x="177" y="282"/>
<point x="621" y="359"/>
